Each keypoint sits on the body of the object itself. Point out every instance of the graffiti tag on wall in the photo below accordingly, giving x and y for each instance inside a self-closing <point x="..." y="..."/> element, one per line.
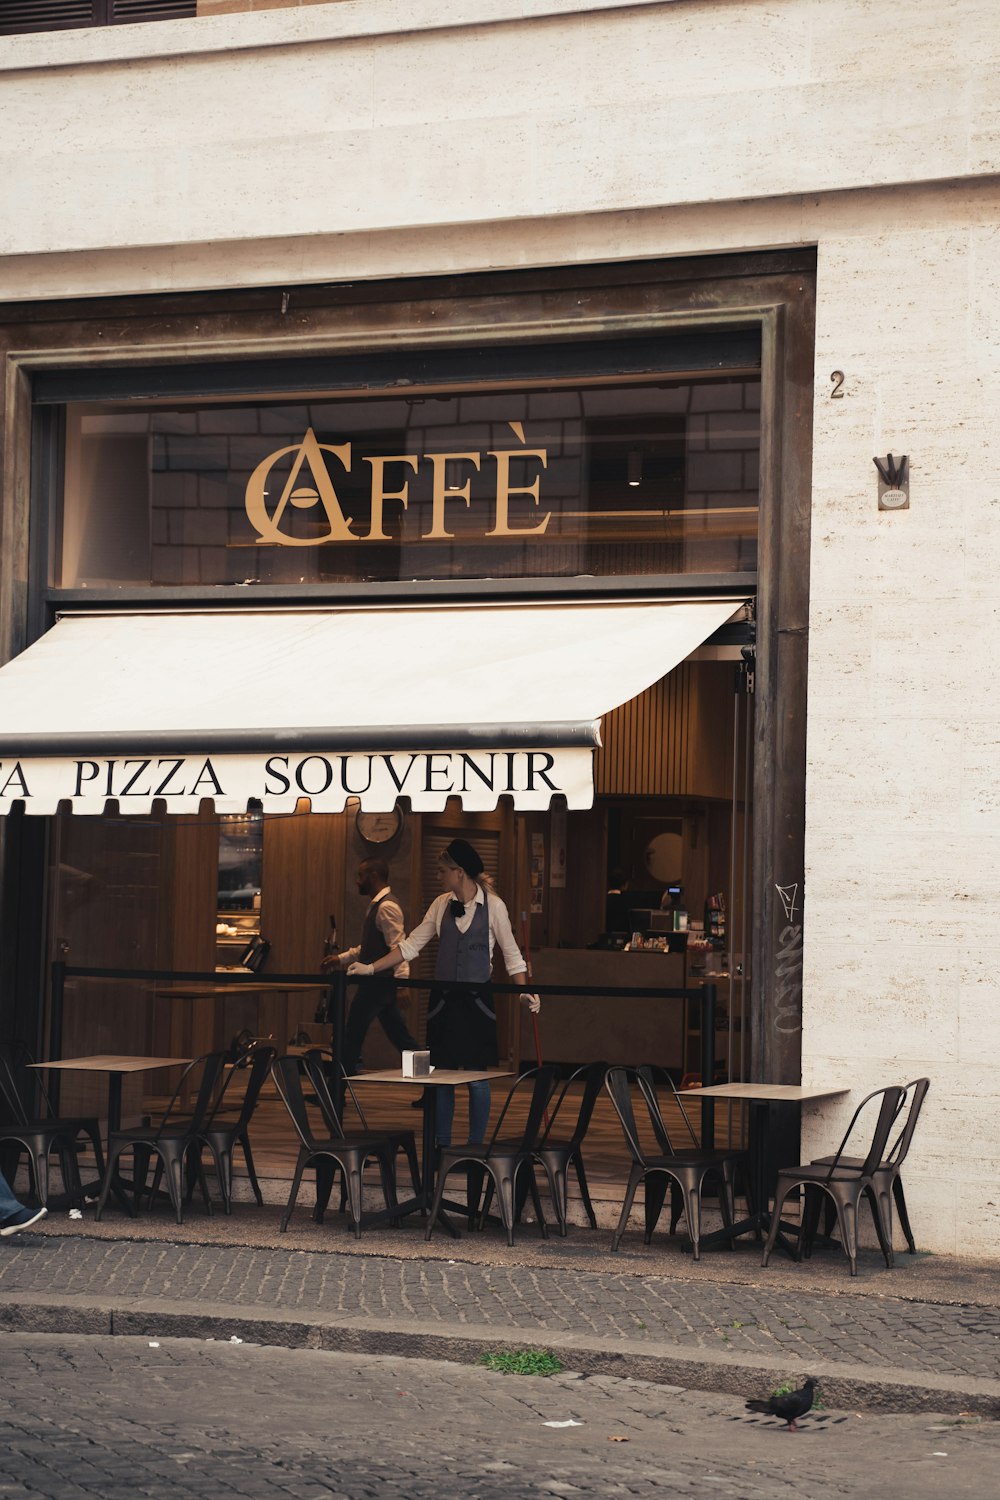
<point x="788" y="964"/>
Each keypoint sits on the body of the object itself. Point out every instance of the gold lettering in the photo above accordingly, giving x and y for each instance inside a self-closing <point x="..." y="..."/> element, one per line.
<point x="321" y="492"/>
<point x="505" y="490"/>
<point x="442" y="492"/>
<point x="381" y="494"/>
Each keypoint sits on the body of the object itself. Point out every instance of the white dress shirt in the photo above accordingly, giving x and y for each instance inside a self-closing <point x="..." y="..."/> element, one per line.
<point x="500" y="929"/>
<point x="389" y="921"/>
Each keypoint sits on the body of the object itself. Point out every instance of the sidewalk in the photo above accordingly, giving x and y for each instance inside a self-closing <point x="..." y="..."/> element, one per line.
<point x="925" y="1337"/>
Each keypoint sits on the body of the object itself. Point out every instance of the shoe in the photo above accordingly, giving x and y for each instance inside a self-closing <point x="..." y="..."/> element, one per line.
<point x="23" y="1219"/>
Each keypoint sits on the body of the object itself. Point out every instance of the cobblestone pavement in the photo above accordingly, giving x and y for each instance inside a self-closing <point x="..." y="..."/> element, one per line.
<point x="942" y="1339"/>
<point x="117" y="1417"/>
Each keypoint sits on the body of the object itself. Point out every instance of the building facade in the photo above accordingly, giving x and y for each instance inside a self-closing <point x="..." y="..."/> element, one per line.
<point x="364" y="181"/>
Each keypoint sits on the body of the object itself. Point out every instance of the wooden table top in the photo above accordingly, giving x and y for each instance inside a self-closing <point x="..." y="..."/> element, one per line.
<point x="189" y="989"/>
<point x="439" y="1076"/>
<point x="112" y="1063"/>
<point x="775" y="1093"/>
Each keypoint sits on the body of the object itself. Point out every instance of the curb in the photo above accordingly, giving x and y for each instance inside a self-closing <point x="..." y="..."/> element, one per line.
<point x="856" y="1387"/>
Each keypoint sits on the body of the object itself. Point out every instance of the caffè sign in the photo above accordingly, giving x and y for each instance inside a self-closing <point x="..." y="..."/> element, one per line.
<point x="311" y="486"/>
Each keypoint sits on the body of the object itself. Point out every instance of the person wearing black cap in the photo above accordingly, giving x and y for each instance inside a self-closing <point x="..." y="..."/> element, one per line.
<point x="469" y="920"/>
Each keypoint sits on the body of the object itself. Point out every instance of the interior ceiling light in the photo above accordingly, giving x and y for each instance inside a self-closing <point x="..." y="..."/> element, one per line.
<point x="634" y="467"/>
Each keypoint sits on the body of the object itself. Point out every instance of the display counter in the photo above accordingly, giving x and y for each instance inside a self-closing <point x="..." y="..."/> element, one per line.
<point x="615" y="1028"/>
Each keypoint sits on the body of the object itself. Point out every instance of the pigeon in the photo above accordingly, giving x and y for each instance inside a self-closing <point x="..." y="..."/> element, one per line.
<point x="793" y="1404"/>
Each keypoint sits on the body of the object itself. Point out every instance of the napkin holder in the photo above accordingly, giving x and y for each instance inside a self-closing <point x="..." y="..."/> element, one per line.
<point x="416" y="1064"/>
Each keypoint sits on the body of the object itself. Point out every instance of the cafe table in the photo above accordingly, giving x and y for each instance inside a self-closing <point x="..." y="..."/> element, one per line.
<point x="454" y="1078"/>
<point x="116" y="1066"/>
<point x="760" y="1097"/>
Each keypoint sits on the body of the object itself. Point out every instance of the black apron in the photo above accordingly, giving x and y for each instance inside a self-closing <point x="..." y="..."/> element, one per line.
<point x="462" y="1024"/>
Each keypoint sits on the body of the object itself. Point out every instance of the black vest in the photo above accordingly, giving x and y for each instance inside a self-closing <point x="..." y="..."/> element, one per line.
<point x="373" y="944"/>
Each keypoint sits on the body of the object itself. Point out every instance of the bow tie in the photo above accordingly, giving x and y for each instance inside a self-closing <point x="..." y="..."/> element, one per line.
<point x="457" y="908"/>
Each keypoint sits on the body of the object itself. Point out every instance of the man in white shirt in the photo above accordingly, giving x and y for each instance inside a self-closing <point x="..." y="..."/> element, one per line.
<point x="381" y="931"/>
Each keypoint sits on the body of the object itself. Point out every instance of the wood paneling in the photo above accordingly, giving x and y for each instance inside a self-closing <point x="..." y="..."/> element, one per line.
<point x="303" y="882"/>
<point x="675" y="739"/>
<point x="189" y="869"/>
<point x="105" y="900"/>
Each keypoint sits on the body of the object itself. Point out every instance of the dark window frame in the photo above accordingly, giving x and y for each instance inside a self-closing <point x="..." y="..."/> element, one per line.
<point x="773" y="291"/>
<point x="99" y="13"/>
<point x="718" y="350"/>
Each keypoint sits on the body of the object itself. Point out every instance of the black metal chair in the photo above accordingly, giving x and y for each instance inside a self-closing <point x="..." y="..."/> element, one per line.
<point x="689" y="1171"/>
<point x="349" y="1153"/>
<point x="402" y="1140"/>
<point x="38" y="1135"/>
<point x="886" y="1176"/>
<point x="175" y="1141"/>
<point x="502" y="1160"/>
<point x="845" y="1185"/>
<point x="732" y="1161"/>
<point x="222" y="1135"/>
<point x="556" y="1155"/>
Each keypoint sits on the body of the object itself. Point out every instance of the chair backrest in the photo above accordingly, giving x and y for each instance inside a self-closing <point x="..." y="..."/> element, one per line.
<point x="619" y="1084"/>
<point x="209" y="1070"/>
<point x="10" y="1094"/>
<point x="916" y="1091"/>
<point x="593" y="1075"/>
<point x="892" y="1099"/>
<point x="542" y="1083"/>
<point x="649" y="1077"/>
<point x="288" y="1082"/>
<point x="260" y="1060"/>
<point x="314" y="1065"/>
<point x="349" y="1090"/>
<point x="22" y="1085"/>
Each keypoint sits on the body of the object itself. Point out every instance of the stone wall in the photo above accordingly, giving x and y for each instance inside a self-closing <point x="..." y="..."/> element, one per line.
<point x="379" y="139"/>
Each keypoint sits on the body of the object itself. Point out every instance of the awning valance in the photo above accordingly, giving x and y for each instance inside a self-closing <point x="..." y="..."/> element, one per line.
<point x="425" y="702"/>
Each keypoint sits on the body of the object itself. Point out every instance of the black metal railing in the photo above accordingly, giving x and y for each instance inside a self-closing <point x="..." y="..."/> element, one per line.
<point x="702" y="1001"/>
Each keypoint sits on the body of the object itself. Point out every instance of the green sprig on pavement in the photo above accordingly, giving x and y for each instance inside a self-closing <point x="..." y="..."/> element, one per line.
<point x="520" y="1361"/>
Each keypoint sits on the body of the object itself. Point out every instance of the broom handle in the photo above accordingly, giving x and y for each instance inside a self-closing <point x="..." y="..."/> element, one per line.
<point x="526" y="934"/>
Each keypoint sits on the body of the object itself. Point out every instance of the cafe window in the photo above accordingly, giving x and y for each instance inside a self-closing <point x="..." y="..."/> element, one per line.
<point x="600" y="479"/>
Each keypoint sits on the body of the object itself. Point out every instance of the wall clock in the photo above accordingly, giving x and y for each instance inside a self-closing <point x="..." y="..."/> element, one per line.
<point x="379" y="827"/>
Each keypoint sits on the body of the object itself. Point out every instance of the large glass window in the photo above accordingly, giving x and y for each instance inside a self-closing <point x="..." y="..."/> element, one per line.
<point x="624" y="478"/>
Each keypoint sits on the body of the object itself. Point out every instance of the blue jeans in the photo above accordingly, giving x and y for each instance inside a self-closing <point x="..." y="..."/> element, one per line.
<point x="9" y="1205"/>
<point x="479" y="1112"/>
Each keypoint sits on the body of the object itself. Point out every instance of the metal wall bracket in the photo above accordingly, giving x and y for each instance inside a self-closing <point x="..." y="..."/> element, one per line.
<point x="893" y="482"/>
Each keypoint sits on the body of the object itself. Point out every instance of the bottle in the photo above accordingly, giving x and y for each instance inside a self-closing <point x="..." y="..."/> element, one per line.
<point x="329" y="948"/>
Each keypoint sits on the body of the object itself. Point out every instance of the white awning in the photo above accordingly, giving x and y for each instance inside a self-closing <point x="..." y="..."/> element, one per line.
<point x="427" y="702"/>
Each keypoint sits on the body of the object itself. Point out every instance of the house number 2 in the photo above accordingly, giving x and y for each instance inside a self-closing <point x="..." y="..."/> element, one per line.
<point x="837" y="376"/>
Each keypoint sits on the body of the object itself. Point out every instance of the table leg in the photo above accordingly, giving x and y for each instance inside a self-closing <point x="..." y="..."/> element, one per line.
<point x="114" y="1102"/>
<point x="428" y="1174"/>
<point x="115" y="1123"/>
<point x="422" y="1202"/>
<point x="759" y="1130"/>
<point x="758" y="1220"/>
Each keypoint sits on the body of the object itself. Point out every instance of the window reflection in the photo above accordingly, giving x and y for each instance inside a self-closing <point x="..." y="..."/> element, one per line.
<point x="606" y="479"/>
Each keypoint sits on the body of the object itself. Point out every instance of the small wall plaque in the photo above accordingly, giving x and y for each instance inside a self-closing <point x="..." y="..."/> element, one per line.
<point x="893" y="482"/>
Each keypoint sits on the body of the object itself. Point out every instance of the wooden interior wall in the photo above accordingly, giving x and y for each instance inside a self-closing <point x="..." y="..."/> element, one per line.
<point x="189" y="869"/>
<point x="303" y="882"/>
<point x="105" y="903"/>
<point x="675" y="739"/>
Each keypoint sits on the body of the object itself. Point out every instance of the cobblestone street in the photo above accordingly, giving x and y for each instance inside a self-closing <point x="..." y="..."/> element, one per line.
<point x="115" y="1417"/>
<point x="615" y="1309"/>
